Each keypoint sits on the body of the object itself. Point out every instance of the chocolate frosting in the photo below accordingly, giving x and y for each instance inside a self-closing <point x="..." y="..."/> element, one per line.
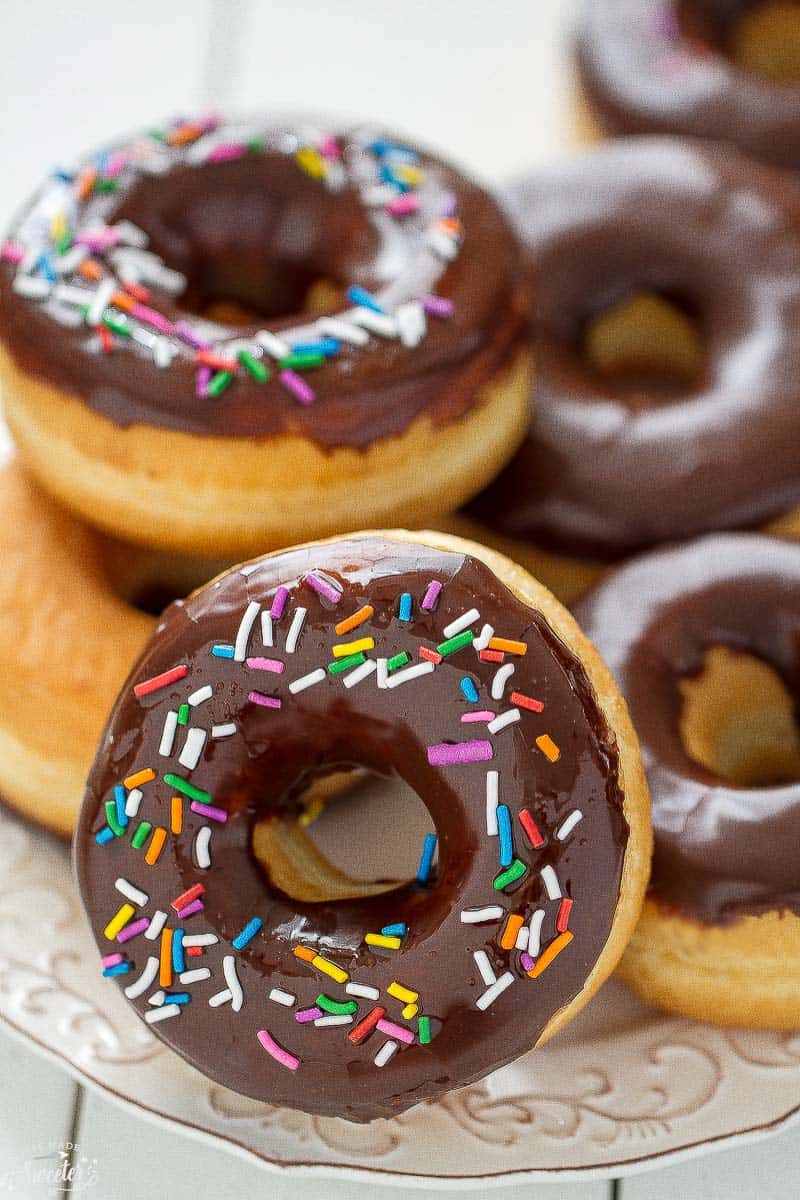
<point x="263" y="768"/>
<point x="258" y="231"/>
<point x="658" y="66"/>
<point x="608" y="469"/>
<point x="721" y="851"/>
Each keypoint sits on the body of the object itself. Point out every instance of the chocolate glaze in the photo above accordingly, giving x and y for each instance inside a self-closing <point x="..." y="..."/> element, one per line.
<point x="262" y="770"/>
<point x="258" y="231"/>
<point x="650" y="66"/>
<point x="721" y="851"/>
<point x="607" y="470"/>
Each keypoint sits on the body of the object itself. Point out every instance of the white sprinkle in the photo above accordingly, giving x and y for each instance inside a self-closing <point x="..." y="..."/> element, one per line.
<point x="442" y="244"/>
<point x="67" y="294"/>
<point x="170" y="281"/>
<point x="130" y="234"/>
<point x="306" y="681"/>
<point x="412" y="323"/>
<point x="267" y="631"/>
<point x="69" y="262"/>
<point x="461" y="623"/>
<point x="334" y="1019"/>
<point x="193" y="748"/>
<point x="485" y="967"/>
<point x="567" y="826"/>
<point x="385" y="1053"/>
<point x="134" y="894"/>
<point x="156" y="925"/>
<point x="232" y="980"/>
<point x="275" y="347"/>
<point x="163" y="353"/>
<point x="476" y="916"/>
<point x="383" y="673"/>
<point x="101" y="298"/>
<point x="202" y="694"/>
<point x="282" y="997"/>
<point x="200" y="939"/>
<point x="343" y="330"/>
<point x="202" y="849"/>
<point x="535" y="933"/>
<point x="156" y="998"/>
<point x="133" y="801"/>
<point x="378" y="194"/>
<point x="162" y="1014"/>
<point x="380" y="323"/>
<point x="491" y="993"/>
<point x="361" y="989"/>
<point x="506" y="718"/>
<point x="223" y="731"/>
<point x="354" y="677"/>
<point x="550" y="881"/>
<point x="195" y="976"/>
<point x="294" y="630"/>
<point x="243" y="632"/>
<point x="32" y="287"/>
<point x="522" y="938"/>
<point x="492" y="800"/>
<point x="168" y="736"/>
<point x="33" y="253"/>
<point x="409" y="673"/>
<point x="220" y="998"/>
<point x="140" y="986"/>
<point x="483" y="638"/>
<point x="501" y="678"/>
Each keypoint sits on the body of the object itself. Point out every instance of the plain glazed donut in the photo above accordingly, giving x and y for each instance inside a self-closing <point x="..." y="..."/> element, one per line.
<point x="381" y="651"/>
<point x="722" y="69"/>
<point x="403" y="380"/>
<point x="668" y="358"/>
<point x="700" y="638"/>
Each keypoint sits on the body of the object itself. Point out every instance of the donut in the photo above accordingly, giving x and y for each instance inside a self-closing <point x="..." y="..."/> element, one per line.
<point x="418" y="656"/>
<point x="668" y="358"/>
<point x="67" y="642"/>
<point x="719" y="69"/>
<point x="215" y="336"/>
<point x="704" y="640"/>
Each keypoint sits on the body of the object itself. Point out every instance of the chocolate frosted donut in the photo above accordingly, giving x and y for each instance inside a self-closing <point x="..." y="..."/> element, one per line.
<point x="400" y="655"/>
<point x="704" y="68"/>
<point x="614" y="463"/>
<point x="720" y="934"/>
<point x="124" y="387"/>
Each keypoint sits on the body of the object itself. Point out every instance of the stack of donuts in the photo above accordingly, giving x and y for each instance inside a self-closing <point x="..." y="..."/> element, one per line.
<point x="256" y="362"/>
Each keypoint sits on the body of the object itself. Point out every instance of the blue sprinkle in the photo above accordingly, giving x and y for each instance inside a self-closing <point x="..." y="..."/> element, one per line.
<point x="222" y="651"/>
<point x="389" y="176"/>
<point x="120" y="798"/>
<point x="360" y="296"/>
<point x="46" y="266"/>
<point x="106" y="834"/>
<point x="248" y="933"/>
<point x="398" y="930"/>
<point x="426" y="858"/>
<point x="64" y="176"/>
<point x="504" y="831"/>
<point x="118" y="969"/>
<point x="177" y="998"/>
<point x="328" y="345"/>
<point x="382" y="146"/>
<point x="469" y="689"/>
<point x="404" y="612"/>
<point x="178" y="957"/>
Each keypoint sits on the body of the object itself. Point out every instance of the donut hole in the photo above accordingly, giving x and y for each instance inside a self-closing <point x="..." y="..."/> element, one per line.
<point x="739" y="720"/>
<point x="338" y="849"/>
<point x="761" y="37"/>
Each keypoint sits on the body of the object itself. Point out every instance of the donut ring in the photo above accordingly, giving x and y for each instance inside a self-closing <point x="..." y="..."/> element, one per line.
<point x="124" y="401"/>
<point x="719" y="939"/>
<point x="610" y="465"/>
<point x="427" y="959"/>
<point x="658" y="66"/>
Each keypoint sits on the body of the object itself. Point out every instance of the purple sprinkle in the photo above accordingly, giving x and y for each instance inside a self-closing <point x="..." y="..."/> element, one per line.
<point x="431" y="596"/>
<point x="438" y="306"/>
<point x="307" y="1014"/>
<point x="447" y="754"/>
<point x="302" y="393"/>
<point x="133" y="930"/>
<point x="227" y="151"/>
<point x="265" y="701"/>
<point x="111" y="960"/>
<point x="209" y="122"/>
<point x="266" y="664"/>
<point x="196" y="906"/>
<point x="396" y="1031"/>
<point x="279" y="603"/>
<point x="526" y="962"/>
<point x="448" y="205"/>
<point x="478" y="716"/>
<point x="202" y="380"/>
<point x="150" y="317"/>
<point x="210" y="811"/>
<point x="323" y="587"/>
<point x="187" y="334"/>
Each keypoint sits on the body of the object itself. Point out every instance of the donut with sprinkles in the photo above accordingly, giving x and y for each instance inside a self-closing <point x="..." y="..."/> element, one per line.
<point x="411" y="655"/>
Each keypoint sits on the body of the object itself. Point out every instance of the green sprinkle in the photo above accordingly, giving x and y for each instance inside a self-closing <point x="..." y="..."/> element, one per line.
<point x="255" y="145"/>
<point x="424" y="1030"/>
<point x="337" y="1008"/>
<point x="111" y="818"/>
<point x="455" y="643"/>
<point x="183" y="714"/>
<point x="188" y="789"/>
<point x="143" y="831"/>
<point x="295" y="362"/>
<point x="344" y="664"/>
<point x="117" y="324"/>
<point x="396" y="661"/>
<point x="218" y="383"/>
<point x="157" y="135"/>
<point x="510" y="875"/>
<point x="254" y="365"/>
<point x="64" y="242"/>
<point x="106" y="185"/>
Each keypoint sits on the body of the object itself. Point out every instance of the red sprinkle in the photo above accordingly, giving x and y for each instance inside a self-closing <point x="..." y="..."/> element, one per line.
<point x="160" y="681"/>
<point x="562" y="920"/>
<point x="106" y="340"/>
<point x="430" y="655"/>
<point x="138" y="291"/>
<point x="531" y="829"/>
<point x="194" y="951"/>
<point x="362" y="1030"/>
<point x="528" y="702"/>
<point x="188" y="896"/>
<point x="492" y="656"/>
<point x="209" y="359"/>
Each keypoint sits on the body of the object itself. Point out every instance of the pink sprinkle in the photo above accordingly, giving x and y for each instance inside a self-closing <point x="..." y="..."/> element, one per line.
<point x="111" y="960"/>
<point x="478" y="716"/>
<point x="307" y="1014"/>
<point x="116" y="164"/>
<point x="323" y="587"/>
<point x="526" y="962"/>
<point x="447" y="754"/>
<point x="265" y="701"/>
<point x="202" y="380"/>
<point x="227" y="151"/>
<point x="396" y="1031"/>
<point x="150" y="317"/>
<point x="266" y="664"/>
<point x="98" y="240"/>
<point x="329" y="148"/>
<point x="431" y="596"/>
<point x="196" y="906"/>
<point x="403" y="205"/>
<point x="278" y="1053"/>
<point x="12" y="252"/>
<point x="209" y="122"/>
<point x="187" y="334"/>
<point x="297" y="386"/>
<point x="209" y="810"/>
<point x="279" y="603"/>
<point x="438" y="306"/>
<point x="133" y="930"/>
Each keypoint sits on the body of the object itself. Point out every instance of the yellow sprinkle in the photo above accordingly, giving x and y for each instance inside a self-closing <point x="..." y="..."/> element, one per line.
<point x="176" y="815"/>
<point x="314" y="810"/>
<point x="344" y="648"/>
<point x="140" y="777"/>
<point x="165" y="962"/>
<point x="548" y="747"/>
<point x="311" y="162"/>
<point x="380" y="939"/>
<point x="353" y="622"/>
<point x="402" y="993"/>
<point x="508" y="645"/>
<point x="305" y="952"/>
<point x="156" y="845"/>
<point x="58" y="226"/>
<point x="410" y="1011"/>
<point x="410" y="175"/>
<point x="119" y="921"/>
<point x="329" y="968"/>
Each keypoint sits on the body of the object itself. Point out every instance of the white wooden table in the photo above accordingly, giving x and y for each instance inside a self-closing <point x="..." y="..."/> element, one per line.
<point x="487" y="84"/>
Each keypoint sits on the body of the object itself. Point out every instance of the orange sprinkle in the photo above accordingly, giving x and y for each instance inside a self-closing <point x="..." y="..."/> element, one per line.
<point x="508" y="644"/>
<point x="176" y="815"/>
<point x="184" y="135"/>
<point x="512" y="927"/>
<point x="140" y="777"/>
<point x="165" y="962"/>
<point x="548" y="747"/>
<point x="86" y="182"/>
<point x="90" y="269"/>
<point x="156" y="845"/>
<point x="552" y="952"/>
<point x="305" y="952"/>
<point x="123" y="301"/>
<point x="358" y="618"/>
<point x="495" y="656"/>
